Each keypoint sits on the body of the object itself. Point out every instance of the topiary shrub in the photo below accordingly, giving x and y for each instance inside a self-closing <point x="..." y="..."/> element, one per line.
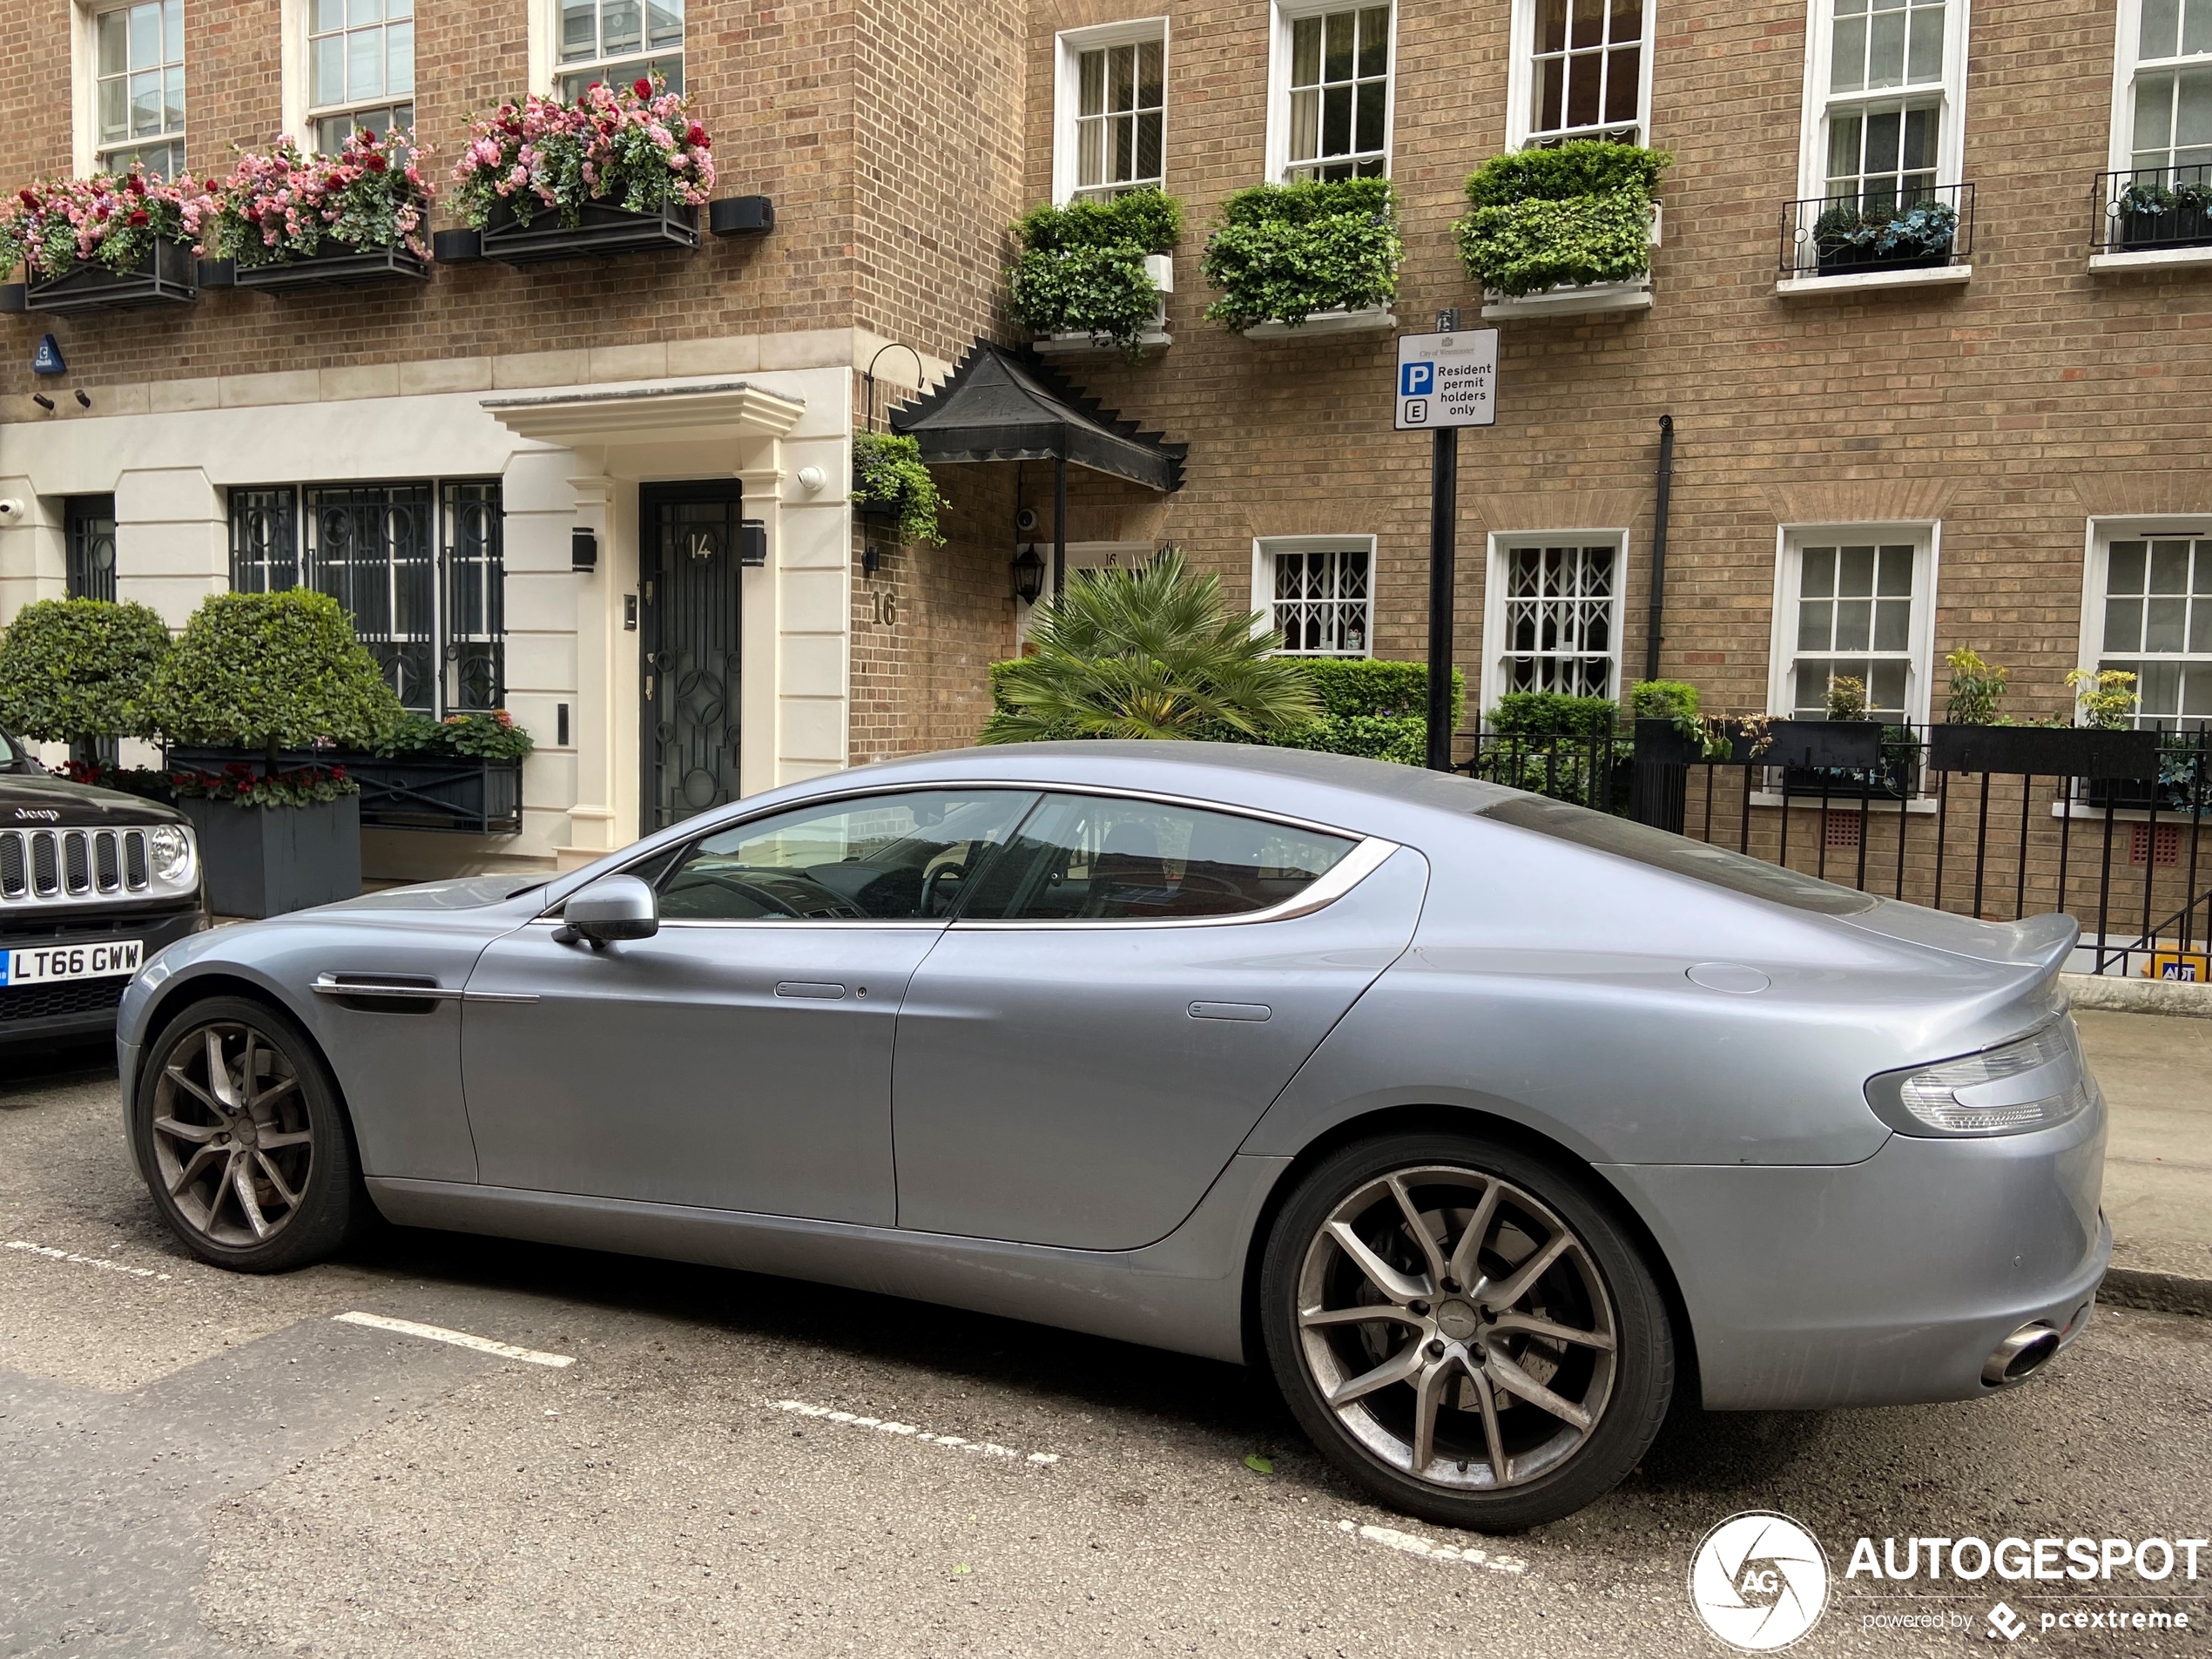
<point x="1284" y="252"/>
<point x="889" y="480"/>
<point x="74" y="670"/>
<point x="1082" y="269"/>
<point x="271" y="671"/>
<point x="1576" y="213"/>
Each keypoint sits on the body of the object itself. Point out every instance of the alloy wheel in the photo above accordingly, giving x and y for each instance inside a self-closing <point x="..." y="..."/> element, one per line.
<point x="1457" y="1328"/>
<point x="232" y="1141"/>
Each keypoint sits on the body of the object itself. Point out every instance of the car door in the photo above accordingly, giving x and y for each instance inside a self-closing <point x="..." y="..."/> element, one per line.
<point x="740" y="1058"/>
<point x="1126" y="989"/>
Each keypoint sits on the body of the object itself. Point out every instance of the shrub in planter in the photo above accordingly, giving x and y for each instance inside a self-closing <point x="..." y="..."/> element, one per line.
<point x="890" y="481"/>
<point x="1284" y="252"/>
<point x="110" y="221"/>
<point x="2105" y="697"/>
<point x="76" y="670"/>
<point x="1847" y="238"/>
<point x="1082" y="269"/>
<point x="492" y="736"/>
<point x="1543" y="219"/>
<point x="634" y="147"/>
<point x="1977" y="688"/>
<point x="287" y="206"/>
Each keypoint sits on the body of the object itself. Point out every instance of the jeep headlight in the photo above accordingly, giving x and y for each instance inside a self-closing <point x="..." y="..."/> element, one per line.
<point x="169" y="850"/>
<point x="2037" y="1081"/>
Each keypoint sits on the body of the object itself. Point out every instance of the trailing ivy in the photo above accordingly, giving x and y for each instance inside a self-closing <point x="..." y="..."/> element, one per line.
<point x="1579" y="212"/>
<point x="889" y="479"/>
<point x="1284" y="252"/>
<point x="1081" y="268"/>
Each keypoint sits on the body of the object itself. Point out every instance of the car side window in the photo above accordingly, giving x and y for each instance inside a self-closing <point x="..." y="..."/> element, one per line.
<point x="897" y="857"/>
<point x="7" y="753"/>
<point x="1102" y="858"/>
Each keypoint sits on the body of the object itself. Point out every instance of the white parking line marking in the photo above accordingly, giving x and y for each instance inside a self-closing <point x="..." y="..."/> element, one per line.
<point x="884" y="1425"/>
<point x="105" y="1266"/>
<point x="458" y="1339"/>
<point x="1391" y="1538"/>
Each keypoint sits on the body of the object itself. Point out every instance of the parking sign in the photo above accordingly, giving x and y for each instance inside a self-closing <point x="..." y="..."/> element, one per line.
<point x="1447" y="380"/>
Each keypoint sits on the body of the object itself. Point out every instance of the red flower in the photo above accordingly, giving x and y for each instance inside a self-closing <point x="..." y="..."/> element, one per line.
<point x="643" y="89"/>
<point x="696" y="136"/>
<point x="28" y="199"/>
<point x="374" y="164"/>
<point x="135" y="185"/>
<point x="138" y="216"/>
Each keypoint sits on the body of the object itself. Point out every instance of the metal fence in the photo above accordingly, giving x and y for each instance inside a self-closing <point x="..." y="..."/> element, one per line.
<point x="1994" y="822"/>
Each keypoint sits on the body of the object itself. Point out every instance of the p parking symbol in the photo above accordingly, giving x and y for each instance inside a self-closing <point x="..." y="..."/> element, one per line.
<point x="1416" y="380"/>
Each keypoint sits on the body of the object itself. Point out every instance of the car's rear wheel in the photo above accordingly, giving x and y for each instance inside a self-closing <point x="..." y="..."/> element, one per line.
<point x="1464" y="1331"/>
<point x="243" y="1140"/>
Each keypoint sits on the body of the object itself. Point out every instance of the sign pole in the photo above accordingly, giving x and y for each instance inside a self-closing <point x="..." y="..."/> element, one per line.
<point x="1443" y="514"/>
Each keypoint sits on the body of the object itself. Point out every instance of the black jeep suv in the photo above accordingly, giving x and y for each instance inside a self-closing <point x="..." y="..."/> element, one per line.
<point x="93" y="882"/>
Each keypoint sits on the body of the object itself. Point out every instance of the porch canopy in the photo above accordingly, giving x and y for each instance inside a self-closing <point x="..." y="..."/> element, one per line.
<point x="1001" y="405"/>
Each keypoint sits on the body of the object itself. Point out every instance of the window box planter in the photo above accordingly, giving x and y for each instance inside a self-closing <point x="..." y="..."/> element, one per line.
<point x="166" y="276"/>
<point x="1565" y="229"/>
<point x="267" y="860"/>
<point x="1825" y="237"/>
<point x="339" y="268"/>
<point x="1581" y="299"/>
<point x="460" y="794"/>
<point x="1093" y="276"/>
<point x="2182" y="226"/>
<point x="1160" y="267"/>
<point x="601" y="232"/>
<point x="1377" y="319"/>
<point x="1315" y="257"/>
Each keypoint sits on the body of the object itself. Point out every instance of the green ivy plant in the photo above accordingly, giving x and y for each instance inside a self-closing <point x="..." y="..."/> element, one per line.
<point x="271" y="671"/>
<point x="1284" y="252"/>
<point x="74" y="671"/>
<point x="1081" y="268"/>
<point x="1575" y="213"/>
<point x="890" y="481"/>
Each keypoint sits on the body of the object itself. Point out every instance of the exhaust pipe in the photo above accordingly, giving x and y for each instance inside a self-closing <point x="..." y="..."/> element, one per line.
<point x="2021" y="1355"/>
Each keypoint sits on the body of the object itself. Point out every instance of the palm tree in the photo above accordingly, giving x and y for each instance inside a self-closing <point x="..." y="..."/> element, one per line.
<point x="1149" y="653"/>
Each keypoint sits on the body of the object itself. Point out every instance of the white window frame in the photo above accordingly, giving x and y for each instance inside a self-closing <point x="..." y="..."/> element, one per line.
<point x="1496" y="641"/>
<point x="1283" y="14"/>
<point x="1066" y="94"/>
<point x="1520" y="82"/>
<point x="1926" y="536"/>
<point x="85" y="87"/>
<point x="1264" y="549"/>
<point x="1950" y="127"/>
<point x="296" y="63"/>
<point x="2096" y="564"/>
<point x="2127" y="63"/>
<point x="546" y="69"/>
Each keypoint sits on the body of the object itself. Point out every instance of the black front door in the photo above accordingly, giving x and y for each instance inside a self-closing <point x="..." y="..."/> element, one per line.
<point x="688" y="634"/>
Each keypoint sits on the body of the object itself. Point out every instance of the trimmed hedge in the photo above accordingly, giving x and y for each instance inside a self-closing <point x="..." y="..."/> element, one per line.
<point x="1554" y="714"/>
<point x="1577" y="214"/>
<point x="1283" y="251"/>
<point x="75" y="670"/>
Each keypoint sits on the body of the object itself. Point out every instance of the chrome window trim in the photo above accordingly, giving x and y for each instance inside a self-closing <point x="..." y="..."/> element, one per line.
<point x="1339" y="879"/>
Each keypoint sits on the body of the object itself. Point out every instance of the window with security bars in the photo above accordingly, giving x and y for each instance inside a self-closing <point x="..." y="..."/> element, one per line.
<point x="1854" y="620"/>
<point x="2170" y="88"/>
<point x="360" y="72"/>
<point x="2157" y="625"/>
<point x="1886" y="98"/>
<point x="1323" y="599"/>
<point x="1586" y="79"/>
<point x="88" y="524"/>
<point x="1121" y="111"/>
<point x="419" y="567"/>
<point x="1339" y="92"/>
<point x="138" y="86"/>
<point x="1560" y="606"/>
<point x="615" y="42"/>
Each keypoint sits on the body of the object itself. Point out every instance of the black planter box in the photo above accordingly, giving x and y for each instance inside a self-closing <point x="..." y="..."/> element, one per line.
<point x="2045" y="751"/>
<point x="2176" y="228"/>
<point x="339" y="268"/>
<point x="463" y="794"/>
<point x="266" y="861"/>
<point x="600" y="231"/>
<point x="1849" y="261"/>
<point x="166" y="277"/>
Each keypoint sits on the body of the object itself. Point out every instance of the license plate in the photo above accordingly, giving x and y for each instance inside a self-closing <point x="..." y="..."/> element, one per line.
<point x="46" y="964"/>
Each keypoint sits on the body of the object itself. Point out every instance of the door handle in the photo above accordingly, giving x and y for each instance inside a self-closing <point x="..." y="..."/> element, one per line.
<point x="810" y="990"/>
<point x="1256" y="1013"/>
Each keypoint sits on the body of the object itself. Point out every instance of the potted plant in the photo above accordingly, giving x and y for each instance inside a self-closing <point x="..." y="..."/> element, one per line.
<point x="76" y="671"/>
<point x="891" y="485"/>
<point x="1977" y="689"/>
<point x="255" y="674"/>
<point x="616" y="169"/>
<point x="1322" y="252"/>
<point x="1094" y="273"/>
<point x="111" y="240"/>
<point x="1893" y="751"/>
<point x="1576" y="216"/>
<point x="2152" y="214"/>
<point x="288" y="218"/>
<point x="463" y="773"/>
<point x="1848" y="238"/>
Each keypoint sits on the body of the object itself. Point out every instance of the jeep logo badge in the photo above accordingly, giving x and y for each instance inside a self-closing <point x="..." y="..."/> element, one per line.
<point x="45" y="814"/>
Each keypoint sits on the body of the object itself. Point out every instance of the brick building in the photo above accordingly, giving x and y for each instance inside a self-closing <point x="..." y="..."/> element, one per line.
<point x="2001" y="448"/>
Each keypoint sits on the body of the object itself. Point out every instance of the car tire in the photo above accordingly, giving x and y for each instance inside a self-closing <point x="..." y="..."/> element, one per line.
<point x="256" y="1172"/>
<point x="1584" y="1331"/>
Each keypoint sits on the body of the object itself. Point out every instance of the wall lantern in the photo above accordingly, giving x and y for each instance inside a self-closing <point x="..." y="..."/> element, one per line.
<point x="1028" y="575"/>
<point x="753" y="542"/>
<point x="584" y="550"/>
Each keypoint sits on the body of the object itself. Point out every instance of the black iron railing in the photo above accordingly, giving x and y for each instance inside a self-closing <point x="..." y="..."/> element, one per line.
<point x="1920" y="226"/>
<point x="2142" y="210"/>
<point x="1593" y="769"/>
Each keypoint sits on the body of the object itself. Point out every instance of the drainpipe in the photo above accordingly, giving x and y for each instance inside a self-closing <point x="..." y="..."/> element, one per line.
<point x="1659" y="546"/>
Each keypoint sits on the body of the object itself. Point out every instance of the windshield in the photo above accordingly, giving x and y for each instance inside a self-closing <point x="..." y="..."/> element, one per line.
<point x="7" y="753"/>
<point x="1677" y="854"/>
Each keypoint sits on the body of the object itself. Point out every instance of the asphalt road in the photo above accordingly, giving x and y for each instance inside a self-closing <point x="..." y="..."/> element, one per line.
<point x="195" y="1463"/>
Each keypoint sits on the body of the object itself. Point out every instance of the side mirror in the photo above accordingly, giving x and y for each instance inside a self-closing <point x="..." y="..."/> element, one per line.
<point x="614" y="906"/>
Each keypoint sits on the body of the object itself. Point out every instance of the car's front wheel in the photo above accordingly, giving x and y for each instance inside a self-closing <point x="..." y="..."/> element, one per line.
<point x="1464" y="1331"/>
<point x="243" y="1140"/>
